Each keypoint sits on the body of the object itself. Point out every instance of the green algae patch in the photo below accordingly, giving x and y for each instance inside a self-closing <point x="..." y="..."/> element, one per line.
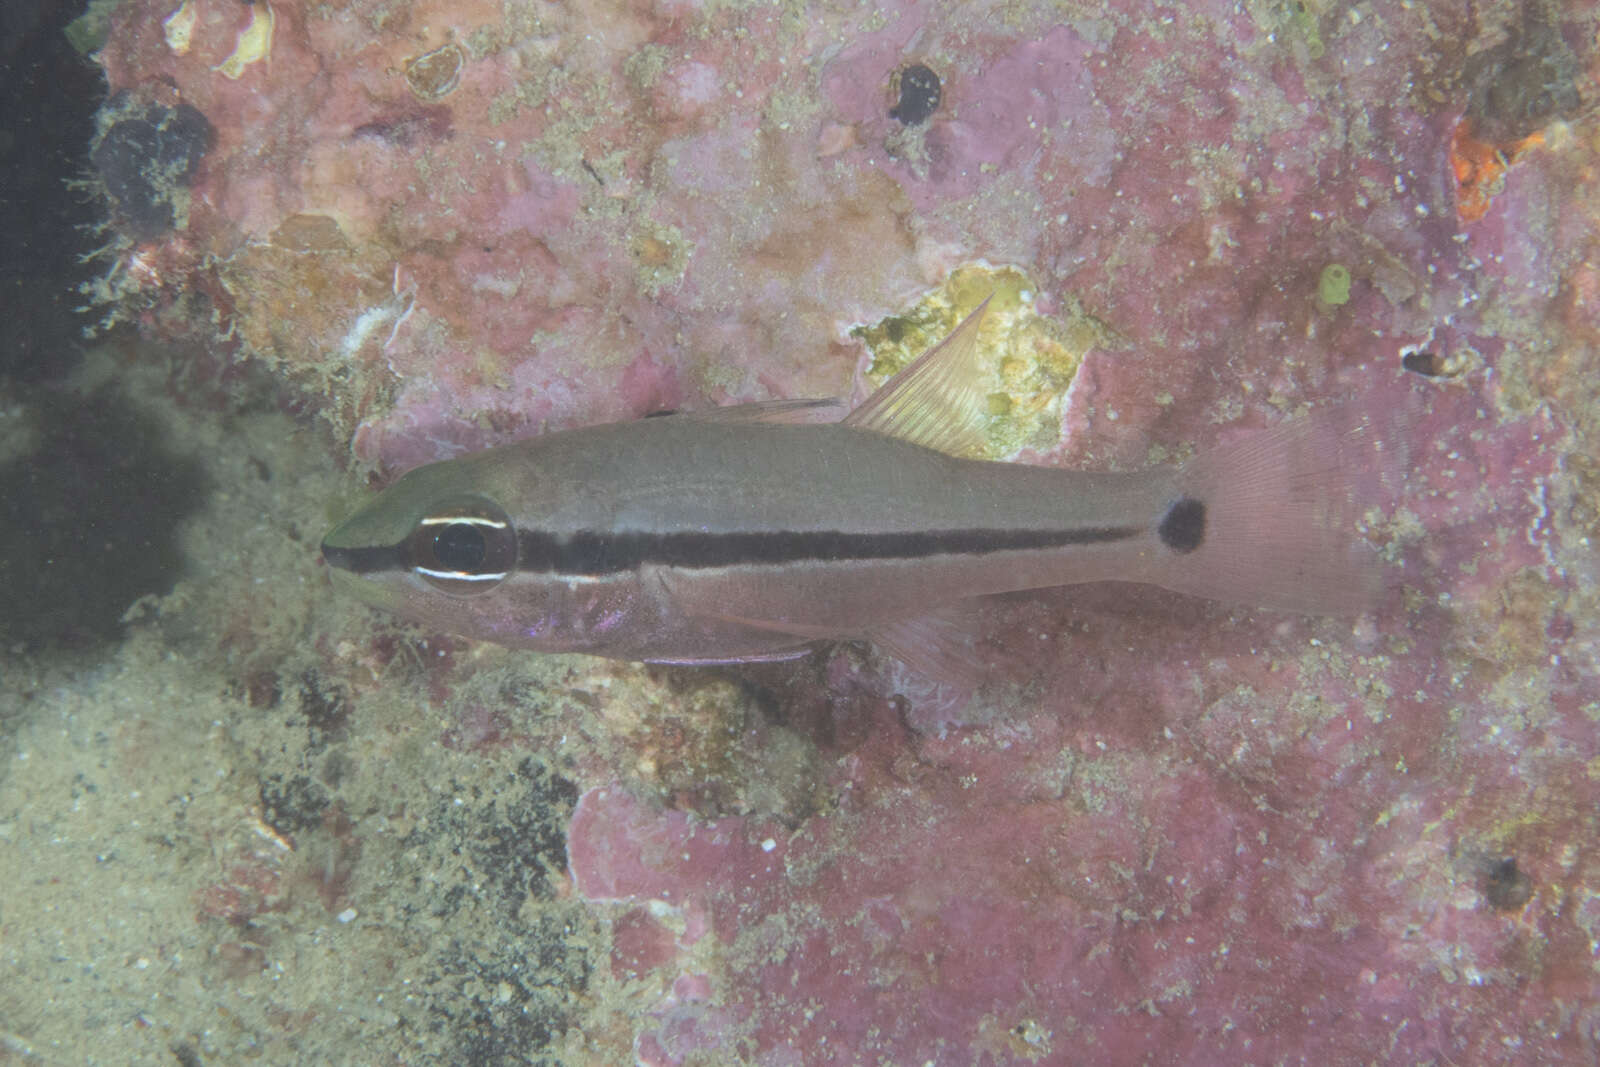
<point x="1308" y="26"/>
<point x="89" y="32"/>
<point x="1333" y="285"/>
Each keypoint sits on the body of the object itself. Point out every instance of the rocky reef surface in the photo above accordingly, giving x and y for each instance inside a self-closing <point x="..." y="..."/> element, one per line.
<point x="1178" y="833"/>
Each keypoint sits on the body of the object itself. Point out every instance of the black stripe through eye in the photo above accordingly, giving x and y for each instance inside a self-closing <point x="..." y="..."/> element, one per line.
<point x="590" y="554"/>
<point x="367" y="559"/>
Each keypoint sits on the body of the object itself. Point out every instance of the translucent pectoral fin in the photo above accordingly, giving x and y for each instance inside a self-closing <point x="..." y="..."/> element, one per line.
<point x="798" y="630"/>
<point x="709" y="605"/>
<point x="944" y="645"/>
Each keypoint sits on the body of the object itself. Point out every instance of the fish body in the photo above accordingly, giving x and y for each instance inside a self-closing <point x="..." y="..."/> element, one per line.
<point x="745" y="535"/>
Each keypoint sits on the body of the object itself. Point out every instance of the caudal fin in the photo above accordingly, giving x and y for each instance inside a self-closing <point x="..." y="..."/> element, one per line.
<point x="1272" y="520"/>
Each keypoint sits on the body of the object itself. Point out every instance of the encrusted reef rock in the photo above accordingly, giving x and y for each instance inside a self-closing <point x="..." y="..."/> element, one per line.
<point x="1186" y="833"/>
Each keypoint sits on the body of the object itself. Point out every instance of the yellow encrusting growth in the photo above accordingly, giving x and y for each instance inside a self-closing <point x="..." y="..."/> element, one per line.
<point x="1030" y="358"/>
<point x="254" y="44"/>
<point x="179" y="28"/>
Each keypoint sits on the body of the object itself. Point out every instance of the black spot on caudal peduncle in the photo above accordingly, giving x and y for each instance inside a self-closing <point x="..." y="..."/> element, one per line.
<point x="1183" y="528"/>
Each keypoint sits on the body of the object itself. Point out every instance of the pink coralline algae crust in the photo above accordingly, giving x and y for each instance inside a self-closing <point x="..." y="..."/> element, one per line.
<point x="1138" y="885"/>
<point x="1179" y="928"/>
<point x="591" y="205"/>
<point x="1191" y="834"/>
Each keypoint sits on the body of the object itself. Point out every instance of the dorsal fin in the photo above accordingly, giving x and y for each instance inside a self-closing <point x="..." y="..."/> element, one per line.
<point x="936" y="400"/>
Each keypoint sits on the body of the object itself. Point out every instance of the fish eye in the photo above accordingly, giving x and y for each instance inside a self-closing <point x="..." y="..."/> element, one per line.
<point x="464" y="546"/>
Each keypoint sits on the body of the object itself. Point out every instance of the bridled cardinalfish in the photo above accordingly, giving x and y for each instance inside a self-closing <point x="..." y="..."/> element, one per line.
<point x="750" y="533"/>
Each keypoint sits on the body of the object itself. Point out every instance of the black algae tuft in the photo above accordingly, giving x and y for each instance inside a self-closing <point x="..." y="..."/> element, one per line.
<point x="292" y="804"/>
<point x="919" y="95"/>
<point x="1423" y="362"/>
<point x="1504" y="886"/>
<point x="146" y="155"/>
<point x="1519" y="86"/>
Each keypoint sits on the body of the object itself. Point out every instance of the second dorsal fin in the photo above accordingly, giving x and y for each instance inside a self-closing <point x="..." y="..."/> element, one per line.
<point x="936" y="400"/>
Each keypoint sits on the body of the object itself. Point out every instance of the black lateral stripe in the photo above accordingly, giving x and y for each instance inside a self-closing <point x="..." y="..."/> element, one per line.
<point x="591" y="554"/>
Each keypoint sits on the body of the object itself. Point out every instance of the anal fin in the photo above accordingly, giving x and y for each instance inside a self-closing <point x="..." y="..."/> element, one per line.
<point x="942" y="645"/>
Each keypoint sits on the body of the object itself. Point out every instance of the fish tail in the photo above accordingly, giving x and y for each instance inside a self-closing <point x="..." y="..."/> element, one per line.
<point x="1273" y="520"/>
